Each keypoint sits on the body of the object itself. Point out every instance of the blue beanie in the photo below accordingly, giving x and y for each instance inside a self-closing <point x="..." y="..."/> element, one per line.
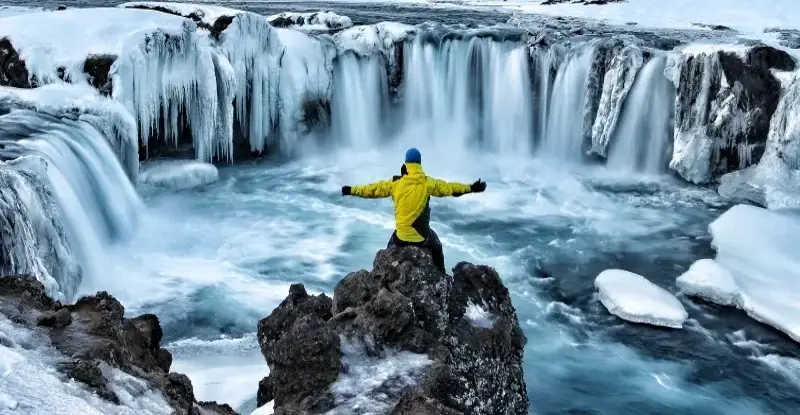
<point x="413" y="156"/>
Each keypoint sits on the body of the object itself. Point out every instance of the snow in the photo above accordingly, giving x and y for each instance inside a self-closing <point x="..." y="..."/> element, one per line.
<point x="366" y="40"/>
<point x="264" y="410"/>
<point x="29" y="383"/>
<point x="372" y="385"/>
<point x="108" y="116"/>
<point x="709" y="280"/>
<point x="758" y="248"/>
<point x="178" y="174"/>
<point x="8" y="11"/>
<point x="479" y="316"/>
<point x="317" y="22"/>
<point x="746" y="16"/>
<point x="632" y="297"/>
<point x="206" y="12"/>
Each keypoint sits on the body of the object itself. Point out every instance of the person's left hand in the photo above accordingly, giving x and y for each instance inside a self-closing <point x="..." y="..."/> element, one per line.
<point x="478" y="187"/>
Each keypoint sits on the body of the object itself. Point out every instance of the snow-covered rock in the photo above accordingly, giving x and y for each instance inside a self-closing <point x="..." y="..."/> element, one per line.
<point x="316" y="22"/>
<point x="205" y="13"/>
<point x="178" y="174"/>
<point x="711" y="281"/>
<point x="633" y="298"/>
<point x="379" y="37"/>
<point x="758" y="249"/>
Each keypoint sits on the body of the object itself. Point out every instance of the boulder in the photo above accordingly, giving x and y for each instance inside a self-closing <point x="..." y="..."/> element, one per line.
<point x="462" y="330"/>
<point x="93" y="333"/>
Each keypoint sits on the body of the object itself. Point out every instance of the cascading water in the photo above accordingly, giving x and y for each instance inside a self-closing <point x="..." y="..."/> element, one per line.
<point x="97" y="200"/>
<point x="360" y="94"/>
<point x="469" y="91"/>
<point x="642" y="139"/>
<point x="564" y="133"/>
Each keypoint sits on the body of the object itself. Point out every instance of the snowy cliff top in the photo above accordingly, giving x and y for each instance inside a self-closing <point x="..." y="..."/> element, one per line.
<point x="323" y="21"/>
<point x="208" y="13"/>
<point x="8" y="11"/>
<point x="66" y="38"/>
<point x="366" y="40"/>
<point x="60" y="98"/>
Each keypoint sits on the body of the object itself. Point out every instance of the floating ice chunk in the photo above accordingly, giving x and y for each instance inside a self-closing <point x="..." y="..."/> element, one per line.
<point x="316" y="22"/>
<point x="479" y="316"/>
<point x="759" y="248"/>
<point x="178" y="174"/>
<point x="709" y="280"/>
<point x="632" y="297"/>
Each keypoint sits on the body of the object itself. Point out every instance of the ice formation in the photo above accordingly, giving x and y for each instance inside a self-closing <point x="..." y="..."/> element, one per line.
<point x="757" y="247"/>
<point x="204" y="12"/>
<point x="162" y="67"/>
<point x="33" y="238"/>
<point x="380" y="37"/>
<point x="316" y="22"/>
<point x="618" y="82"/>
<point x="254" y="51"/>
<point x="178" y="174"/>
<point x="632" y="297"/>
<point x="775" y="181"/>
<point x="306" y="79"/>
<point x="709" y="280"/>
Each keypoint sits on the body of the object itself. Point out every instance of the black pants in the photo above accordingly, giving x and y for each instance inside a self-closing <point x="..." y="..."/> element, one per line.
<point x="431" y="243"/>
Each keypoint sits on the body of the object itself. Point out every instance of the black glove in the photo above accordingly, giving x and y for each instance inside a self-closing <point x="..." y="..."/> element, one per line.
<point x="478" y="186"/>
<point x="346" y="190"/>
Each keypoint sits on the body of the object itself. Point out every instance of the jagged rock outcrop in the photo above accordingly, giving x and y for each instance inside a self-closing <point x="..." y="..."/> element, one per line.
<point x="602" y="58"/>
<point x="460" y="335"/>
<point x="93" y="334"/>
<point x="722" y="113"/>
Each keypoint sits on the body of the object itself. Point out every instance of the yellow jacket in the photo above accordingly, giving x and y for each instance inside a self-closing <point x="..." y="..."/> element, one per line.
<point x="411" y="195"/>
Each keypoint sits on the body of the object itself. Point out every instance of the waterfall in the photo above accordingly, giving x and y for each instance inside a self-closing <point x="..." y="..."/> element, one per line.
<point x="642" y="139"/>
<point x="96" y="199"/>
<point x="360" y="94"/>
<point x="470" y="92"/>
<point x="564" y="133"/>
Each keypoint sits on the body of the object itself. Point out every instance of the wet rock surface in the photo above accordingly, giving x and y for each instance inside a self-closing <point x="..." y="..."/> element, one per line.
<point x="465" y="324"/>
<point x="93" y="333"/>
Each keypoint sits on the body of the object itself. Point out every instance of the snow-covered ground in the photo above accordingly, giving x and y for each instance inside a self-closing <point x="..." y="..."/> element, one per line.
<point x="632" y="297"/>
<point x="759" y="249"/>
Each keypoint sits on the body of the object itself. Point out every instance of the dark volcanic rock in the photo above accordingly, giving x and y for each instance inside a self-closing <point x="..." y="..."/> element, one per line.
<point x="94" y="333"/>
<point x="13" y="71"/>
<point x="769" y="57"/>
<point x="724" y="105"/>
<point x="403" y="305"/>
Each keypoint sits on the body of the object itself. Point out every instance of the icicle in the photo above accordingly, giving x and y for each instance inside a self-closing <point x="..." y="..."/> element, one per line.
<point x="254" y="51"/>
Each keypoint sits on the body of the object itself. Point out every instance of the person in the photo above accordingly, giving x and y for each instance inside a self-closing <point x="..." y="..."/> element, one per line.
<point x="411" y="193"/>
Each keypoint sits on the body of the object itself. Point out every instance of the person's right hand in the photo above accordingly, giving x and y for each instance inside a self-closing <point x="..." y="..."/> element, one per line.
<point x="346" y="190"/>
<point x="478" y="187"/>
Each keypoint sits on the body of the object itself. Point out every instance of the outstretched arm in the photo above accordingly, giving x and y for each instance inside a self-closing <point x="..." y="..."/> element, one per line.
<point x="441" y="188"/>
<point x="376" y="190"/>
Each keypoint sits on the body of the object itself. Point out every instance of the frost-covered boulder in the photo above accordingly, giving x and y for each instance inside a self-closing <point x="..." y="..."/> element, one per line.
<point x="633" y="298"/>
<point x="722" y="112"/>
<point x="757" y="266"/>
<point x="178" y="174"/>
<point x="97" y="342"/>
<point x="315" y="22"/>
<point x="401" y="339"/>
